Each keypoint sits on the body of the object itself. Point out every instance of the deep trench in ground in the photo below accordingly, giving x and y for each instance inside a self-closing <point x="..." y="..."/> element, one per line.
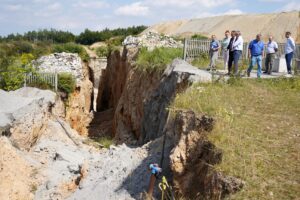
<point x="101" y="124"/>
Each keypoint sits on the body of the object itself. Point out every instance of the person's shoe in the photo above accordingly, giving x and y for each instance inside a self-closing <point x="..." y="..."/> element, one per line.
<point x="265" y="72"/>
<point x="269" y="73"/>
<point x="248" y="73"/>
<point x="290" y="72"/>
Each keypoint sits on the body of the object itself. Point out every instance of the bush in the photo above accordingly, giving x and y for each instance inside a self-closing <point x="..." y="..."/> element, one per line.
<point x="157" y="59"/>
<point x="102" y="51"/>
<point x="199" y="37"/>
<point x="66" y="82"/>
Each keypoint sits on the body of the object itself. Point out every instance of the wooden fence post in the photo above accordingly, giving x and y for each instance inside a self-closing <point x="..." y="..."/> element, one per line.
<point x="184" y="49"/>
<point x="25" y="77"/>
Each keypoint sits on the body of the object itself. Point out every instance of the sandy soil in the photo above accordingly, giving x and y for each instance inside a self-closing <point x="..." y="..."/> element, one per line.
<point x="251" y="24"/>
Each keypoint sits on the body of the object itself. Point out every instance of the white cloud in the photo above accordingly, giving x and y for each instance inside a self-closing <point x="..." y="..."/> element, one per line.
<point x="41" y="1"/>
<point x="53" y="7"/>
<point x="188" y="3"/>
<point x="91" y="4"/>
<point x="229" y="12"/>
<point x="271" y="1"/>
<point x="49" y="10"/>
<point x="233" y="12"/>
<point x="135" y="9"/>
<point x="293" y="5"/>
<point x="13" y="7"/>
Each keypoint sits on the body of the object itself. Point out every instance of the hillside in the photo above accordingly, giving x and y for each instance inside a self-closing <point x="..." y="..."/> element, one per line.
<point x="249" y="24"/>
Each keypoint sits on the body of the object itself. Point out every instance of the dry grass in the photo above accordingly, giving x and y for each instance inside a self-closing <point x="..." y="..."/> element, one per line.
<point x="258" y="129"/>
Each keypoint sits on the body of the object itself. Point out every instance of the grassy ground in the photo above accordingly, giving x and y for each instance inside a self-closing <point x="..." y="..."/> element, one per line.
<point x="258" y="129"/>
<point x="158" y="59"/>
<point x="203" y="63"/>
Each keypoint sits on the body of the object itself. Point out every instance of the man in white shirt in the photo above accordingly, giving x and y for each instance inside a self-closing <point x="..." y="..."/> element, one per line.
<point x="289" y="51"/>
<point x="237" y="50"/>
<point x="225" y="51"/>
<point x="272" y="48"/>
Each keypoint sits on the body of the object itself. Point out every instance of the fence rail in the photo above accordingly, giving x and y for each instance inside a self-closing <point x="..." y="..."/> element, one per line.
<point x="35" y="78"/>
<point x="193" y="48"/>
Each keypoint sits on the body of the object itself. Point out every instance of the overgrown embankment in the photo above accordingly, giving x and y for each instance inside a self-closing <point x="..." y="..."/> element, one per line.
<point x="257" y="128"/>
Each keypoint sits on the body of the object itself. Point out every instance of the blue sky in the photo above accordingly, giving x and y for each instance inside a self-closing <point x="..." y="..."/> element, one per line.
<point x="76" y="15"/>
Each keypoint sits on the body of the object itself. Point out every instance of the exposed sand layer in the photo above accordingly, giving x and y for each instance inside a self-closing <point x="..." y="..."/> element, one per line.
<point x="251" y="24"/>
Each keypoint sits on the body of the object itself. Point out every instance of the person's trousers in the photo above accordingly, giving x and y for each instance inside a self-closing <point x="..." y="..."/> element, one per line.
<point x="269" y="62"/>
<point x="254" y="60"/>
<point x="225" y="58"/>
<point x="213" y="59"/>
<point x="288" y="59"/>
<point x="236" y="57"/>
<point x="230" y="61"/>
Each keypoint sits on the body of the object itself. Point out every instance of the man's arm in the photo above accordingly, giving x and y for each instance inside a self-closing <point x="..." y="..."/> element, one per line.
<point x="238" y="42"/>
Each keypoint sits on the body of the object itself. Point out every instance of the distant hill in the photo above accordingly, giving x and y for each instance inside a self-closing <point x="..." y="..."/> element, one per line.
<point x="249" y="24"/>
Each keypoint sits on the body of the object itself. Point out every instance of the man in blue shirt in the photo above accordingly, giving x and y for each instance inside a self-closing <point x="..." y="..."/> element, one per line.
<point x="256" y="51"/>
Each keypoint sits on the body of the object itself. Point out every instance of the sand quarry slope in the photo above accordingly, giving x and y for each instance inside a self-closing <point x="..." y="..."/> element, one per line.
<point x="250" y="24"/>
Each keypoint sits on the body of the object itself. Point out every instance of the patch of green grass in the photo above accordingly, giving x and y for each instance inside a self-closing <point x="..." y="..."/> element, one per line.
<point x="158" y="59"/>
<point x="104" y="141"/>
<point x="258" y="129"/>
<point x="102" y="51"/>
<point x="202" y="62"/>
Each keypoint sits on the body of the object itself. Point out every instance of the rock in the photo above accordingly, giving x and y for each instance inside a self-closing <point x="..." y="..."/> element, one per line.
<point x="152" y="40"/>
<point x="74" y="169"/>
<point x="24" y="113"/>
<point x="60" y="63"/>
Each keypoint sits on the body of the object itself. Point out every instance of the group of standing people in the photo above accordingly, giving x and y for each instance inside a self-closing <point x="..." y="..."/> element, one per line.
<point x="232" y="48"/>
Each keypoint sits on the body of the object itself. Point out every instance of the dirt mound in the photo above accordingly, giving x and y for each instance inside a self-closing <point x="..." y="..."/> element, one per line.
<point x="251" y="24"/>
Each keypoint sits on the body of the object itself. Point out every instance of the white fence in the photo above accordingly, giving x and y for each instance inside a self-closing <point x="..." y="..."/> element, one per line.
<point x="193" y="48"/>
<point x="36" y="78"/>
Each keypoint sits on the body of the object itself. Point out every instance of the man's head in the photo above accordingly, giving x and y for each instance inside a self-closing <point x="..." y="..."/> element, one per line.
<point x="270" y="38"/>
<point x="237" y="33"/>
<point x="288" y="34"/>
<point x="227" y="33"/>
<point x="232" y="33"/>
<point x="213" y="37"/>
<point x="258" y="37"/>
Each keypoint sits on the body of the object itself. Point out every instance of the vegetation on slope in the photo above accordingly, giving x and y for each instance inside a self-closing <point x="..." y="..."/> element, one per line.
<point x="158" y="59"/>
<point x="258" y="123"/>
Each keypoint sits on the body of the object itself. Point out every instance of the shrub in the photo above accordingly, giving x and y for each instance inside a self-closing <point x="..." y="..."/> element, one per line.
<point x="199" y="36"/>
<point x="102" y="51"/>
<point x="66" y="82"/>
<point x="157" y="59"/>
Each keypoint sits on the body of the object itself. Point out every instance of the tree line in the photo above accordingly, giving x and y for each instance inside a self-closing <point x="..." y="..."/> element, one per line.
<point x="87" y="37"/>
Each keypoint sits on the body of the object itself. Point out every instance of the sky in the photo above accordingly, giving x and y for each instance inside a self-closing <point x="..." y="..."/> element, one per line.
<point x="19" y="16"/>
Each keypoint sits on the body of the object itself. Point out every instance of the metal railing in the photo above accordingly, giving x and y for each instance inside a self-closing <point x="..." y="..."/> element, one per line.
<point x="193" y="48"/>
<point x="36" y="78"/>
